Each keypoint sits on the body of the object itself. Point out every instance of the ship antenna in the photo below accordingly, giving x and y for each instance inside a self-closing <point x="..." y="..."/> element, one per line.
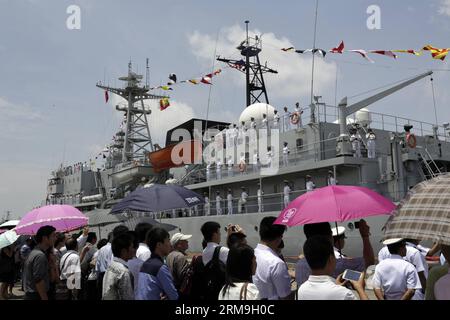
<point x="147" y="75"/>
<point x="210" y="87"/>
<point x="313" y="54"/>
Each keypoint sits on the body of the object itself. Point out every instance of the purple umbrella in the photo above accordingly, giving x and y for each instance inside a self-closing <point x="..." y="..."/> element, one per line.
<point x="62" y="217"/>
<point x="158" y="197"/>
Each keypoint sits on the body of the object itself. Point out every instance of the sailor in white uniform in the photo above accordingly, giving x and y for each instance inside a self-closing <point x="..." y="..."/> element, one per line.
<point x="228" y="136"/>
<point x="370" y="137"/>
<point x="264" y="122"/>
<point x="276" y="120"/>
<point x="286" y="152"/>
<point x="219" y="169"/>
<point x="241" y="132"/>
<point x="208" y="171"/>
<point x="286" y="120"/>
<point x="331" y="181"/>
<point x="310" y="186"/>
<point x="230" y="201"/>
<point x="218" y="203"/>
<point x="415" y="257"/>
<point x="242" y="164"/>
<point x="269" y="157"/>
<point x="286" y="192"/>
<point x="235" y="134"/>
<point x="255" y="161"/>
<point x="206" y="206"/>
<point x="230" y="166"/>
<point x="259" y="194"/>
<point x="299" y="112"/>
<point x="356" y="144"/>
<point x="244" y="196"/>
<point x="395" y="278"/>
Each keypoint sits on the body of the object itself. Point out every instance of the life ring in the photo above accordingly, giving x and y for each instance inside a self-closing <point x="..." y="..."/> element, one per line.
<point x="242" y="166"/>
<point x="411" y="140"/>
<point x="295" y="118"/>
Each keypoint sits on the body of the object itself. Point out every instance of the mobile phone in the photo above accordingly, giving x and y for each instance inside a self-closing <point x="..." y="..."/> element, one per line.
<point x="356" y="224"/>
<point x="351" y="275"/>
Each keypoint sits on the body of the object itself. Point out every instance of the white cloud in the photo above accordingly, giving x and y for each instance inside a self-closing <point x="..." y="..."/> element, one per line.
<point x="444" y="8"/>
<point x="159" y="121"/>
<point x="294" y="70"/>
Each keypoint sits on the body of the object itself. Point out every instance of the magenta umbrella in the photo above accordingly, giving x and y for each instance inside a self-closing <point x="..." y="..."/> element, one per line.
<point x="334" y="204"/>
<point x="63" y="217"/>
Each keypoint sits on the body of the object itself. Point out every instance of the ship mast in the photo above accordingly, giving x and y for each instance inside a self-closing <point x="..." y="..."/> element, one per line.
<point x="255" y="86"/>
<point x="138" y="141"/>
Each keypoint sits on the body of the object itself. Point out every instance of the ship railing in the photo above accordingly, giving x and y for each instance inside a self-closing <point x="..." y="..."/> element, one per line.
<point x="268" y="202"/>
<point x="312" y="152"/>
<point x="330" y="114"/>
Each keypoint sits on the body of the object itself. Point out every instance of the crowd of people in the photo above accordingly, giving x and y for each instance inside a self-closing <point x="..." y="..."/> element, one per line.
<point x="148" y="264"/>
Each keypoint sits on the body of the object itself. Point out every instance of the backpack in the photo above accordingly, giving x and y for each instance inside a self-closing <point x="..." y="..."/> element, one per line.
<point x="209" y="279"/>
<point x="188" y="280"/>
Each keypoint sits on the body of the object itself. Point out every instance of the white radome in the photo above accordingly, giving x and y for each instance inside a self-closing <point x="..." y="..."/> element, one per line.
<point x="256" y="111"/>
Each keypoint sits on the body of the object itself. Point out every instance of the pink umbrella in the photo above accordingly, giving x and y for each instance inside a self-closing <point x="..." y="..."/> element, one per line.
<point x="334" y="204"/>
<point x="63" y="217"/>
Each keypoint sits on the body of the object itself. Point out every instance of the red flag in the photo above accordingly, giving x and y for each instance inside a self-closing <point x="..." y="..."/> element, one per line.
<point x="106" y="96"/>
<point x="338" y="49"/>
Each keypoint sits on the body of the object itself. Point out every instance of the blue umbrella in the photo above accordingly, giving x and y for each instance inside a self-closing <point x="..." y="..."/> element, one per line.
<point x="158" y="197"/>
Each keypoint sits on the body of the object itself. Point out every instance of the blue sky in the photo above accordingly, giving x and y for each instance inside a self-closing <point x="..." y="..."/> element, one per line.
<point x="51" y="111"/>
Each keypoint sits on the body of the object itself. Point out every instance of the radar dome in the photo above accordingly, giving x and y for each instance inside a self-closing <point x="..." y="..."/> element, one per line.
<point x="256" y="111"/>
<point x="362" y="117"/>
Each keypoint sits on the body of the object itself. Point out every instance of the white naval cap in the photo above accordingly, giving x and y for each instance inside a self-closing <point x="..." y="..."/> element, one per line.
<point x="338" y="232"/>
<point x="388" y="242"/>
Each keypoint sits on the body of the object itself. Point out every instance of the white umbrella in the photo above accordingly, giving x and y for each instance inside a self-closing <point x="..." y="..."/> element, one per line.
<point x="9" y="224"/>
<point x="8" y="238"/>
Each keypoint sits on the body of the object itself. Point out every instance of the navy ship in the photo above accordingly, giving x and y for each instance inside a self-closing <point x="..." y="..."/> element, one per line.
<point x="253" y="159"/>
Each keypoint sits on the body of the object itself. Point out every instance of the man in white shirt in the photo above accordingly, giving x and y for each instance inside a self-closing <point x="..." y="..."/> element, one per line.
<point x="230" y="164"/>
<point x="207" y="205"/>
<point x="211" y="234"/>
<point x="286" y="120"/>
<point x="272" y="277"/>
<point x="356" y="144"/>
<point x="118" y="280"/>
<point x="70" y="270"/>
<point x="269" y="156"/>
<point x="395" y="278"/>
<point x="286" y="193"/>
<point x="235" y="133"/>
<point x="286" y="152"/>
<point x="320" y="284"/>
<point x="370" y="137"/>
<point x="105" y="256"/>
<point x="331" y="180"/>
<point x="276" y="120"/>
<point x="219" y="169"/>
<point x="259" y="194"/>
<point x="299" y="112"/>
<point x="143" y="252"/>
<point x="255" y="163"/>
<point x="244" y="196"/>
<point x="208" y="171"/>
<point x="218" y="203"/>
<point x="310" y="186"/>
<point x="264" y="122"/>
<point x="414" y="256"/>
<point x="230" y="201"/>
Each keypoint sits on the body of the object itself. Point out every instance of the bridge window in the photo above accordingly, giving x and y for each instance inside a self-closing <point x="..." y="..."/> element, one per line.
<point x="299" y="143"/>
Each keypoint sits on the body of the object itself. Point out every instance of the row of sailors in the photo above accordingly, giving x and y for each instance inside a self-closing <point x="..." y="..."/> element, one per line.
<point x="242" y="201"/>
<point x="356" y="141"/>
<point x="243" y="163"/>
<point x="288" y="121"/>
